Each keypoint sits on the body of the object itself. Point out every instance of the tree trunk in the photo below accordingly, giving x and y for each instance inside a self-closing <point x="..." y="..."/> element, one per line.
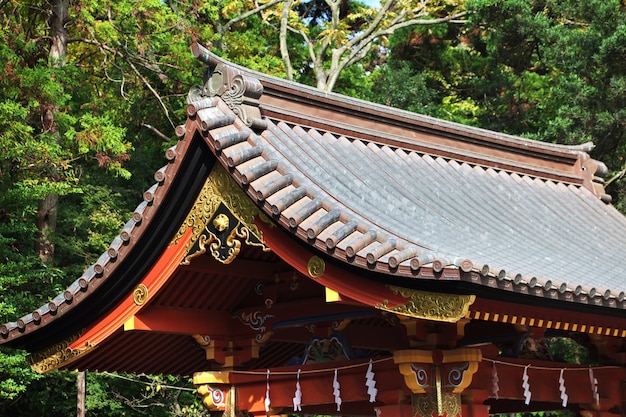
<point x="47" y="212"/>
<point x="59" y="17"/>
<point x="81" y="388"/>
<point x="284" y="51"/>
<point x="46" y="224"/>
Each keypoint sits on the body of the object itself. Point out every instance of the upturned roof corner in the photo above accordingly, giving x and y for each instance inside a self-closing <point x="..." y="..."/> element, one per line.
<point x="593" y="173"/>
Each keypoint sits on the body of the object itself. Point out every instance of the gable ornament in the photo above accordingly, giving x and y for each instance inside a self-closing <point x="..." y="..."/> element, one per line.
<point x="239" y="91"/>
<point x="221" y="219"/>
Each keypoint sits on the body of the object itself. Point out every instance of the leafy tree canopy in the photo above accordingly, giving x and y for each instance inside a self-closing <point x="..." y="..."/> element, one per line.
<point x="548" y="70"/>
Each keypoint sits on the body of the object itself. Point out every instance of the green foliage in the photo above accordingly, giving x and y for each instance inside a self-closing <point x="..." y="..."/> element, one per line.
<point x="547" y="70"/>
<point x="74" y="131"/>
<point x="353" y="81"/>
<point x="15" y="383"/>
<point x="565" y="349"/>
<point x="90" y="222"/>
<point x="52" y="395"/>
<point x="397" y="85"/>
<point x="254" y="45"/>
<point x="98" y="133"/>
<point x="160" y="396"/>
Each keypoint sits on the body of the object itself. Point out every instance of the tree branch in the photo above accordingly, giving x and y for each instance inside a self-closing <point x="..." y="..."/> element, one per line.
<point x="143" y="79"/>
<point x="247" y="14"/>
<point x="375" y="23"/>
<point x="156" y="132"/>
<point x="618" y="175"/>
<point x="154" y="92"/>
<point x="284" y="51"/>
<point x="416" y="22"/>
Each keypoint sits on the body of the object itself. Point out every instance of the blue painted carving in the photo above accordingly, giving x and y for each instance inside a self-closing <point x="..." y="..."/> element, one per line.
<point x="330" y="349"/>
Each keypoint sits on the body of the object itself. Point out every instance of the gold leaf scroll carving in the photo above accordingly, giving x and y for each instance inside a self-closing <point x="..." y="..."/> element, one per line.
<point x="430" y="306"/>
<point x="428" y="405"/>
<point x="218" y="189"/>
<point x="56" y="356"/>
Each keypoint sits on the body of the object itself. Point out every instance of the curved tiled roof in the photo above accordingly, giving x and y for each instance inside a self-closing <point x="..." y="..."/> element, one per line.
<point x="370" y="197"/>
<point x="381" y="189"/>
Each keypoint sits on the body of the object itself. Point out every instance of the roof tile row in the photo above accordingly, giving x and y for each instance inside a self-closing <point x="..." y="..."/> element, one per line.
<point x="398" y="210"/>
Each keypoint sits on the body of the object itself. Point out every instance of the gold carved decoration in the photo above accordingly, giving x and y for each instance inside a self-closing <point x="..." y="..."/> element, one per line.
<point x="221" y="222"/>
<point x="220" y="190"/>
<point x="429" y="405"/>
<point x="316" y="267"/>
<point x="223" y="250"/>
<point x="56" y="355"/>
<point x="140" y="295"/>
<point x="430" y="306"/>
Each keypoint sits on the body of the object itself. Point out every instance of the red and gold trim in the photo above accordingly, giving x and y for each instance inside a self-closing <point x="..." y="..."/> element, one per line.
<point x="539" y="317"/>
<point x="147" y="288"/>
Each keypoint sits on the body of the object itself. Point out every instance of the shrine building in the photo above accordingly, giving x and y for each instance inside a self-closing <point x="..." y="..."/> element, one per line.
<point x="305" y="252"/>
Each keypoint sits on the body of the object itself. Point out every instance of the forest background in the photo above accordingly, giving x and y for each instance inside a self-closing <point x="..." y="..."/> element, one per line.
<point x="90" y="93"/>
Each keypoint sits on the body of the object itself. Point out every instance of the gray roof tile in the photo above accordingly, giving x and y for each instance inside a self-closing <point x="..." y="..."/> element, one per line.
<point x="401" y="209"/>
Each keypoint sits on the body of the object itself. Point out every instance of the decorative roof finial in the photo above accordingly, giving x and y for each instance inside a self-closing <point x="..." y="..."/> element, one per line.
<point x="237" y="89"/>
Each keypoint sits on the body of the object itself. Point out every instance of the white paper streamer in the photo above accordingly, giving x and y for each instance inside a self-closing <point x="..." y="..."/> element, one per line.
<point x="564" y="396"/>
<point x="526" y="386"/>
<point x="594" y="386"/>
<point x="337" y="392"/>
<point x="495" y="388"/>
<point x="297" y="399"/>
<point x="267" y="393"/>
<point x="371" y="383"/>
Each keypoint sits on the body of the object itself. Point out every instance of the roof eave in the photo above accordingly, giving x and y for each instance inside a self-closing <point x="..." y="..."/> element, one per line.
<point x="101" y="287"/>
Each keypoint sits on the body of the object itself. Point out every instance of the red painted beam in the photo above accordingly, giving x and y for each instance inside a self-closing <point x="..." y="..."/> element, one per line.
<point x="153" y="281"/>
<point x="346" y="283"/>
<point x="179" y="321"/>
<point x="543" y="378"/>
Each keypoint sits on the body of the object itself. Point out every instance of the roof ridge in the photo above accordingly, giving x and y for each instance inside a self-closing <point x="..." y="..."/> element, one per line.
<point x="264" y="95"/>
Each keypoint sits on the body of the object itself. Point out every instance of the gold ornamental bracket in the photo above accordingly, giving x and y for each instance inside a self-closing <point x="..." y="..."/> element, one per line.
<point x="221" y="219"/>
<point x="427" y="371"/>
<point x="428" y="305"/>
